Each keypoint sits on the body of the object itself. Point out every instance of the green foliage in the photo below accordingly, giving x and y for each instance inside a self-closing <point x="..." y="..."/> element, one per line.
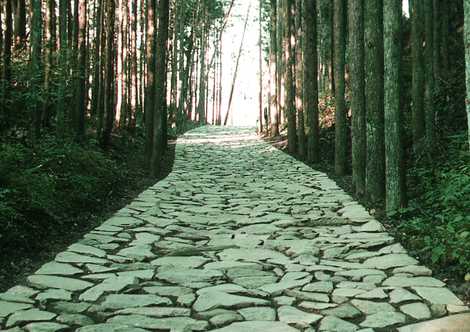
<point x="49" y="186"/>
<point x="437" y="222"/>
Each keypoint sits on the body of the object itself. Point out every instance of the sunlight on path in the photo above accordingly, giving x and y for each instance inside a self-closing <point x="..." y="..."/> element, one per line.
<point x="239" y="237"/>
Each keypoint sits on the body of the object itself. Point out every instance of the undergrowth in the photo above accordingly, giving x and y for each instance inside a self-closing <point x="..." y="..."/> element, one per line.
<point x="436" y="224"/>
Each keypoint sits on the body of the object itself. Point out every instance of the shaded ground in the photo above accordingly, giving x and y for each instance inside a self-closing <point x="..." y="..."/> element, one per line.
<point x="17" y="264"/>
<point x="239" y="236"/>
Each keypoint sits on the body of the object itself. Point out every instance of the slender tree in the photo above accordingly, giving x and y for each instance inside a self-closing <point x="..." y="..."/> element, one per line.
<point x="467" y="59"/>
<point x="150" y="79"/>
<point x="273" y="68"/>
<point x="108" y="86"/>
<point x="289" y="85"/>
<point x="299" y="91"/>
<point x="430" y="113"/>
<point x="341" y="140"/>
<point x="417" y="90"/>
<point x="63" y="68"/>
<point x="160" y="87"/>
<point x="375" y="166"/>
<point x="36" y="51"/>
<point x="310" y="69"/>
<point x="80" y="102"/>
<point x="395" y="191"/>
<point x="356" y="65"/>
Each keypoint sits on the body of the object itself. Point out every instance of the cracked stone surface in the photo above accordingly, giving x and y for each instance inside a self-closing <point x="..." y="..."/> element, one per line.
<point x="239" y="237"/>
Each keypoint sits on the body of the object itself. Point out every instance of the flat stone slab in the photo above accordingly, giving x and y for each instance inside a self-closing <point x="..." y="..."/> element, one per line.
<point x="238" y="237"/>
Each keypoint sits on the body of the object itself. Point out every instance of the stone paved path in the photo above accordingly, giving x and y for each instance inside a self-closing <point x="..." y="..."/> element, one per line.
<point x="239" y="237"/>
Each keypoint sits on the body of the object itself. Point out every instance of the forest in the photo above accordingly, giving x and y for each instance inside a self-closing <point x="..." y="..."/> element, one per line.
<point x="93" y="94"/>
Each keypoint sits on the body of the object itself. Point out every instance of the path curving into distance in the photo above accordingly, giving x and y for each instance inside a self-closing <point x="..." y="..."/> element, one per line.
<point x="239" y="237"/>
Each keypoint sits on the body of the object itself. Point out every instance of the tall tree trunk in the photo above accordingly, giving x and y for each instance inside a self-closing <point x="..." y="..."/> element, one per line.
<point x="299" y="80"/>
<point x="160" y="87"/>
<point x="394" y="190"/>
<point x="36" y="50"/>
<point x="49" y="50"/>
<point x="467" y="60"/>
<point x="108" y="87"/>
<point x="375" y="166"/>
<point x="325" y="38"/>
<point x="97" y="77"/>
<point x="273" y="68"/>
<point x="310" y="66"/>
<point x="260" y="59"/>
<point x="63" y="68"/>
<point x="341" y="138"/>
<point x="356" y="65"/>
<point x="80" y="102"/>
<point x="201" y="111"/>
<point x="20" y="24"/>
<point x="430" y="113"/>
<point x="417" y="90"/>
<point x="289" y="87"/>
<point x="7" y="45"/>
<point x="150" y="88"/>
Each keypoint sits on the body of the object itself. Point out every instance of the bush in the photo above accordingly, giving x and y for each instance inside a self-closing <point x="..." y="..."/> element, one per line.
<point x="48" y="186"/>
<point x="437" y="222"/>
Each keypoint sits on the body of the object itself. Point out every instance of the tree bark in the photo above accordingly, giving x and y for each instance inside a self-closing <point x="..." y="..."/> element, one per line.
<point x="394" y="190"/>
<point x="310" y="68"/>
<point x="417" y="89"/>
<point x="356" y="65"/>
<point x="467" y="60"/>
<point x="289" y="87"/>
<point x="341" y="138"/>
<point x="36" y="51"/>
<point x="375" y="167"/>
<point x="160" y="88"/>
<point x="430" y="113"/>
<point x="150" y="88"/>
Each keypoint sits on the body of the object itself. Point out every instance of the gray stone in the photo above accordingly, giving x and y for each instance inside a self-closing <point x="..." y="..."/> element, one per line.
<point x="214" y="299"/>
<point x="72" y="257"/>
<point x="257" y="326"/>
<point x="158" y="312"/>
<point x="413" y="281"/>
<point x="455" y="323"/>
<point x="292" y="315"/>
<point x="54" y="294"/>
<point x="87" y="250"/>
<point x="336" y="324"/>
<point x="69" y="284"/>
<point x="400" y="295"/>
<point x="383" y="319"/>
<point x="110" y="328"/>
<point x="224" y="319"/>
<point x="181" y="262"/>
<point x="121" y="301"/>
<point x="258" y="313"/>
<point x="75" y="319"/>
<point x="277" y="288"/>
<point x="389" y="261"/>
<point x="55" y="268"/>
<point x="416" y="310"/>
<point x="320" y="286"/>
<point x="172" y="323"/>
<point x="7" y="308"/>
<point x="113" y="284"/>
<point x="31" y="315"/>
<point x="45" y="327"/>
<point x="345" y="310"/>
<point x="370" y="307"/>
<point x="436" y="295"/>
